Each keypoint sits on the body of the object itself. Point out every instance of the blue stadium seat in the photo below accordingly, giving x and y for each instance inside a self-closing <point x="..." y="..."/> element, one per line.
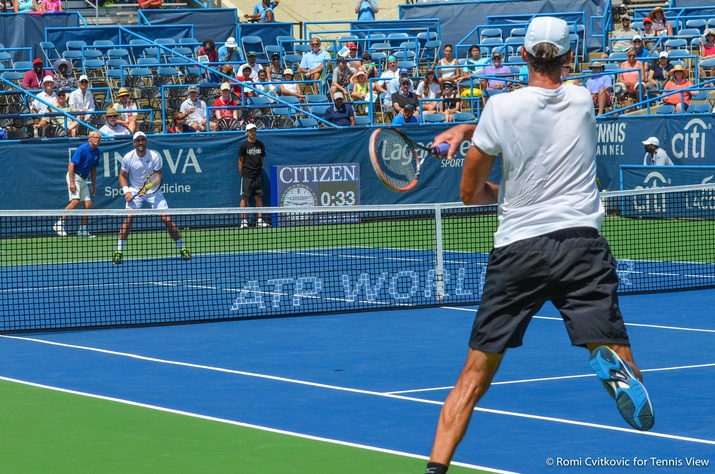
<point x="434" y="118"/>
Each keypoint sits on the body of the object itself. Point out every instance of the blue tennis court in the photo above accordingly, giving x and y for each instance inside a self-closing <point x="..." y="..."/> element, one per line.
<point x="377" y="380"/>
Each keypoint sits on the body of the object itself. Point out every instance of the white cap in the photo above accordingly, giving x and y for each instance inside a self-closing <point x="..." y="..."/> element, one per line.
<point x="663" y="54"/>
<point x="637" y="37"/>
<point x="652" y="141"/>
<point x="139" y="134"/>
<point x="338" y="95"/>
<point x="251" y="126"/>
<point x="48" y="78"/>
<point x="225" y="86"/>
<point x="547" y="29"/>
<point x="231" y="42"/>
<point x="83" y="77"/>
<point x="287" y="71"/>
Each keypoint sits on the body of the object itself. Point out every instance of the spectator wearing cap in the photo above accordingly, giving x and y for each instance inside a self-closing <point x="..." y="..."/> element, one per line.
<point x="228" y="51"/>
<point x="25" y="6"/>
<point x="678" y="81"/>
<point x="82" y="99"/>
<point x="600" y="88"/>
<point x="354" y="62"/>
<point x="340" y="113"/>
<point x="447" y="67"/>
<point x="289" y="86"/>
<point x="648" y="32"/>
<point x="59" y="120"/>
<point x="707" y="51"/>
<point x="113" y="128"/>
<point x="427" y="91"/>
<point x="263" y="12"/>
<point x="195" y="110"/>
<point x="407" y="117"/>
<point x="275" y="69"/>
<point x="179" y="124"/>
<point x="451" y="101"/>
<point x="404" y="96"/>
<point x="125" y="106"/>
<point x="387" y="75"/>
<point x="225" y="100"/>
<point x="312" y="64"/>
<point x="654" y="155"/>
<point x="63" y="78"/>
<point x="366" y="10"/>
<point x="255" y="67"/>
<point x="639" y="47"/>
<point x="660" y="72"/>
<point x="624" y="35"/>
<point x="661" y="25"/>
<point x="630" y="81"/>
<point x="395" y="86"/>
<point x="341" y="78"/>
<point x="47" y="95"/>
<point x="32" y="79"/>
<point x="494" y="69"/>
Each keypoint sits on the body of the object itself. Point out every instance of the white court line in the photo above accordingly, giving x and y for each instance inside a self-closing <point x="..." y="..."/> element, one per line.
<point x="362" y="392"/>
<point x="238" y="423"/>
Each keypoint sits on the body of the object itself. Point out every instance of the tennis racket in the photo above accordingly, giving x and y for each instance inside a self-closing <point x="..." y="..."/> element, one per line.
<point x="152" y="183"/>
<point x="397" y="160"/>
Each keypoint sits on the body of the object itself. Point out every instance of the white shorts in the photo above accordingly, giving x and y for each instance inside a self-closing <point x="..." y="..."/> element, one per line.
<point x="81" y="192"/>
<point x="155" y="201"/>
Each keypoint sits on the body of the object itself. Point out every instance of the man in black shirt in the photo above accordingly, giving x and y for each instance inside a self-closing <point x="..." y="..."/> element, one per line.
<point x="250" y="164"/>
<point x="404" y="97"/>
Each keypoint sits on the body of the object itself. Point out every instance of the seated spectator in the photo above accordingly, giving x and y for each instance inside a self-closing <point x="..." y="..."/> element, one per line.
<point x="252" y="64"/>
<point x="629" y="83"/>
<point x="361" y="88"/>
<point x="33" y="79"/>
<point x="63" y="78"/>
<point x="340" y="113"/>
<point x="495" y="69"/>
<point x="707" y="51"/>
<point x="312" y="64"/>
<point x="451" y="101"/>
<point x="128" y="119"/>
<point x="50" y="6"/>
<point x="179" y="124"/>
<point x="661" y="25"/>
<point x="380" y="87"/>
<point x="275" y="69"/>
<point x="47" y="95"/>
<point x="225" y="100"/>
<point x="288" y="87"/>
<point x="625" y="35"/>
<point x="639" y="47"/>
<point x="404" y="96"/>
<point x="448" y="67"/>
<point x="25" y="6"/>
<point x="62" y="104"/>
<point x="369" y="66"/>
<point x="429" y="89"/>
<point x="112" y="128"/>
<point x="659" y="72"/>
<point x="245" y="76"/>
<point x="263" y="87"/>
<point x="228" y="51"/>
<point x="195" y="110"/>
<point x="475" y="62"/>
<point x="149" y="4"/>
<point x="678" y="81"/>
<point x="82" y="99"/>
<point x="341" y="78"/>
<point x="648" y="32"/>
<point x="354" y="63"/>
<point x="566" y="76"/>
<point x="600" y="88"/>
<point x="406" y="117"/>
<point x="207" y="54"/>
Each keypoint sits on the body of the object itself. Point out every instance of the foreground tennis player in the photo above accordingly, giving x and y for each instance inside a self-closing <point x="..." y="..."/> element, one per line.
<point x="547" y="246"/>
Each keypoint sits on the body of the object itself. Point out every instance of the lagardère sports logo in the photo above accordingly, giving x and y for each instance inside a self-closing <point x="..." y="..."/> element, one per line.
<point x="691" y="143"/>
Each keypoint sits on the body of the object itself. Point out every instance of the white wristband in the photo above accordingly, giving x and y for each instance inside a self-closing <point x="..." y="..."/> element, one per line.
<point x="125" y="189"/>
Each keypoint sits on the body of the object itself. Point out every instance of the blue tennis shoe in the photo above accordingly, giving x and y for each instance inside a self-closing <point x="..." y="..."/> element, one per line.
<point x="630" y="394"/>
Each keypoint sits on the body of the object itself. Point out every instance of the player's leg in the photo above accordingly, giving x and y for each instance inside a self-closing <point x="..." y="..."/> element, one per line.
<point x="257" y="186"/>
<point x="157" y="201"/>
<point x="74" y="196"/>
<point x="87" y="202"/>
<point x="123" y="236"/>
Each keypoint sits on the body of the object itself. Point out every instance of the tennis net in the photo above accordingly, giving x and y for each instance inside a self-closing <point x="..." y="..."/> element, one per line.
<point x="309" y="260"/>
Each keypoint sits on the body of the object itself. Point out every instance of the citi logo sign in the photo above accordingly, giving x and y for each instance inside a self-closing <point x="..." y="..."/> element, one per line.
<point x="691" y="142"/>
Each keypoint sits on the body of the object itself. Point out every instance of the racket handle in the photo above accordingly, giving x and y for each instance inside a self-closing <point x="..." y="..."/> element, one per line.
<point x="441" y="149"/>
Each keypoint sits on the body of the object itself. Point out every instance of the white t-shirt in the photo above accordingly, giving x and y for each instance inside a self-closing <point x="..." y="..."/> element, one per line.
<point x="547" y="139"/>
<point x="432" y="90"/>
<point x="139" y="167"/>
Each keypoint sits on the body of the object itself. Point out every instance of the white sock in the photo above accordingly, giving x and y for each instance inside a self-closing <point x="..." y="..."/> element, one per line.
<point x="179" y="244"/>
<point x="120" y="245"/>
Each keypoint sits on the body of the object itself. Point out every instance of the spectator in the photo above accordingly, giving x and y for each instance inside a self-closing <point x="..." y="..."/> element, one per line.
<point x="659" y="72"/>
<point x="429" y="89"/>
<point x="369" y="66"/>
<point x="661" y="25"/>
<point x="341" y="78"/>
<point x="451" y="102"/>
<point x="312" y="63"/>
<point x="179" y="124"/>
<point x="47" y="95"/>
<point x="600" y="88"/>
<point x="25" y="6"/>
<point x="63" y="105"/>
<point x="387" y="75"/>
<point x="33" y="79"/>
<point x="404" y="96"/>
<point x="63" y="78"/>
<point x="629" y="83"/>
<point x="246" y="76"/>
<point x="678" y="81"/>
<point x="112" y="128"/>
<point x="393" y="87"/>
<point x="648" y="32"/>
<point x="275" y="69"/>
<point x="707" y="51"/>
<point x="566" y="76"/>
<point x="255" y="67"/>
<point x="340" y="113"/>
<point x="625" y="35"/>
<point x="407" y="116"/>
<point x="654" y="155"/>
<point x="288" y="87"/>
<point x="263" y="87"/>
<point x="195" y="110"/>
<point x="353" y="62"/>
<point x="475" y="62"/>
<point x="361" y="88"/>
<point x="639" y="47"/>
<point x="225" y="100"/>
<point x="50" y="6"/>
<point x="448" y="66"/>
<point x="82" y="99"/>
<point x="128" y="119"/>
<point x="366" y="10"/>
<point x="228" y="51"/>
<point x="495" y="69"/>
<point x="263" y="12"/>
<point x="149" y="4"/>
<point x="208" y="49"/>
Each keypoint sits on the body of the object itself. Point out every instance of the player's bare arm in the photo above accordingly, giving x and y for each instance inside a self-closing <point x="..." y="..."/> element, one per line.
<point x="475" y="189"/>
<point x="455" y="136"/>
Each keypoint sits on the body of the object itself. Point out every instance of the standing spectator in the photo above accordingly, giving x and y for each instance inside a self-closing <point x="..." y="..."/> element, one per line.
<point x="179" y="124"/>
<point x="654" y="155"/>
<point x="366" y="10"/>
<point x="678" y="81"/>
<point x="195" y="110"/>
<point x="125" y="106"/>
<point x="451" y="101"/>
<point x="251" y="155"/>
<point x="112" y="128"/>
<point x="341" y="78"/>
<point x="407" y="116"/>
<point x="225" y="100"/>
<point x="547" y="246"/>
<point x="82" y="165"/>
<point x="600" y="88"/>
<point x="63" y="105"/>
<point x="137" y="165"/>
<point x="275" y="69"/>
<point x="64" y="79"/>
<point x="288" y="87"/>
<point x="228" y="51"/>
<point x="404" y="96"/>
<point x="661" y="25"/>
<point x="429" y="89"/>
<point x="625" y="35"/>
<point x="312" y="64"/>
<point x="33" y="78"/>
<point x="263" y="11"/>
<point x="496" y="68"/>
<point x="82" y="99"/>
<point x="707" y="51"/>
<point x="340" y="113"/>
<point x="659" y="72"/>
<point x="255" y="67"/>
<point x="448" y="66"/>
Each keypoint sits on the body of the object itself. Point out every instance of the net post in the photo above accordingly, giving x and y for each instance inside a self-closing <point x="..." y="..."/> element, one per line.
<point x="439" y="270"/>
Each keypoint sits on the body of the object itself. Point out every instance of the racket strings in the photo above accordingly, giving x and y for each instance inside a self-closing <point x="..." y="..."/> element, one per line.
<point x="396" y="159"/>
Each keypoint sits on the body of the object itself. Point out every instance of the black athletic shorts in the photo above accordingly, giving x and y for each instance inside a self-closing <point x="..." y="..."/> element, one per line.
<point x="252" y="186"/>
<point x="573" y="268"/>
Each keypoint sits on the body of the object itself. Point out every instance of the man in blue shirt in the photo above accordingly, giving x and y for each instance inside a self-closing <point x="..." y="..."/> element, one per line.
<point x="340" y="113"/>
<point x="407" y="116"/>
<point x="82" y="165"/>
<point x="366" y="10"/>
<point x="263" y="12"/>
<point x="312" y="63"/>
<point x="228" y="52"/>
<point x="600" y="88"/>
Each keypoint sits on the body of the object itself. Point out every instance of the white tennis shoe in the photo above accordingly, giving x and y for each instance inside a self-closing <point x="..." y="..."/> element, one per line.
<point x="59" y="227"/>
